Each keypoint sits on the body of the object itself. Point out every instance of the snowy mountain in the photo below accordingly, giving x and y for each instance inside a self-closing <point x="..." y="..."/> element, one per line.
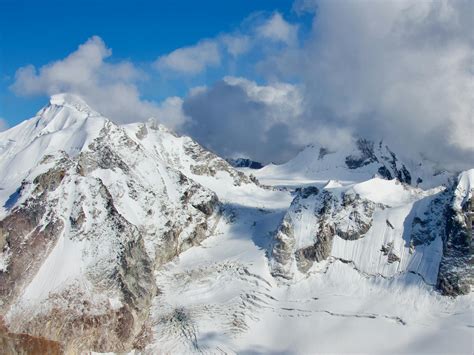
<point x="132" y="238"/>
<point x="379" y="227"/>
<point x="359" y="161"/>
<point x="90" y="213"/>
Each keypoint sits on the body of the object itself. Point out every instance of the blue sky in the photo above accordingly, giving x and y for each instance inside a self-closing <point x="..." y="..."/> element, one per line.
<point x="38" y="32"/>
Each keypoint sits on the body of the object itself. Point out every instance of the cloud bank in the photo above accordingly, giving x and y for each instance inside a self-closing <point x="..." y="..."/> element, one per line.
<point x="238" y="118"/>
<point x="397" y="70"/>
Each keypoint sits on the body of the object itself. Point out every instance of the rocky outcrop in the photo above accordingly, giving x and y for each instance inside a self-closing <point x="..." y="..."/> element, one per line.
<point x="456" y="270"/>
<point x="445" y="218"/>
<point x="29" y="233"/>
<point x="368" y="153"/>
<point x="387" y="250"/>
<point x="314" y="218"/>
<point x="207" y="163"/>
<point x="245" y="163"/>
<point x="21" y="343"/>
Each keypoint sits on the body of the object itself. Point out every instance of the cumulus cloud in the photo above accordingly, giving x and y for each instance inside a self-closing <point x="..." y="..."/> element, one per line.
<point x="277" y="29"/>
<point x="236" y="117"/>
<point x="397" y="70"/>
<point x="170" y="113"/>
<point x="258" y="31"/>
<point x="109" y="88"/>
<point x="236" y="44"/>
<point x="192" y="59"/>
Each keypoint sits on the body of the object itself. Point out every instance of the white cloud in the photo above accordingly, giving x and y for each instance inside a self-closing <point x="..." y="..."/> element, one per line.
<point x="277" y="29"/>
<point x="397" y="70"/>
<point x="284" y="101"/>
<point x="238" y="117"/>
<point x="109" y="88"/>
<point x="236" y="44"/>
<point x="257" y="32"/>
<point x="192" y="59"/>
<point x="78" y="69"/>
<point x="171" y="114"/>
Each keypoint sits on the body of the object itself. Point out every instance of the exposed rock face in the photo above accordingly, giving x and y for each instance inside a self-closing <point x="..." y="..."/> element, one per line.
<point x="14" y="343"/>
<point x="387" y="250"/>
<point x="245" y="163"/>
<point x="185" y="154"/>
<point x="306" y="233"/>
<point x="445" y="218"/>
<point x="431" y="224"/>
<point x="390" y="167"/>
<point x="425" y="233"/>
<point x="102" y="220"/>
<point x="456" y="270"/>
<point x="28" y="234"/>
<point x="207" y="163"/>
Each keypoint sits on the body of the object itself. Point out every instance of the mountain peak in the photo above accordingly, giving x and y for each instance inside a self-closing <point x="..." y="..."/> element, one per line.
<point x="71" y="101"/>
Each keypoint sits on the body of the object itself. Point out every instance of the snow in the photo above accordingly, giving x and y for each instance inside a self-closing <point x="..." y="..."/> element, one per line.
<point x="365" y="306"/>
<point x="4" y="259"/>
<point x="465" y="188"/>
<point x="367" y="258"/>
<point x="174" y="150"/>
<point x="234" y="305"/>
<point x="220" y="296"/>
<point x="315" y="165"/>
<point x="54" y="129"/>
<point x="70" y="258"/>
<point x="389" y="192"/>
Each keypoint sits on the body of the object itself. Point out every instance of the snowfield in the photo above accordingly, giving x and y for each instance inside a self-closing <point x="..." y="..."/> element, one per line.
<point x="221" y="297"/>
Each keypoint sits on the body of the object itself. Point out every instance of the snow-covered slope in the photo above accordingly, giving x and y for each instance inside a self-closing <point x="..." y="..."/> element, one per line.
<point x="203" y="166"/>
<point x="380" y="227"/>
<point x="133" y="239"/>
<point x="365" y="224"/>
<point x="357" y="162"/>
<point x="223" y="297"/>
<point x="88" y="215"/>
<point x="67" y="124"/>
